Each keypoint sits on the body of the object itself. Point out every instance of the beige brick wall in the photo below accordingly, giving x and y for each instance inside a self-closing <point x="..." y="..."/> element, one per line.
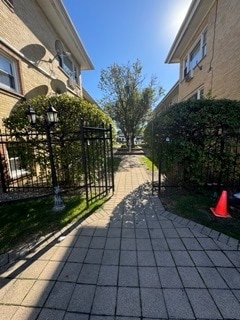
<point x="220" y="74"/>
<point x="28" y="32"/>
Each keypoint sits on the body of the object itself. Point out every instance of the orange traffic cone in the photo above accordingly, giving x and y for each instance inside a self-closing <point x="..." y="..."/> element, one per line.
<point x="221" y="208"/>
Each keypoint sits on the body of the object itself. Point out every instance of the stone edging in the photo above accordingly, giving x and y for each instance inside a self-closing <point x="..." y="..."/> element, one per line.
<point x="215" y="235"/>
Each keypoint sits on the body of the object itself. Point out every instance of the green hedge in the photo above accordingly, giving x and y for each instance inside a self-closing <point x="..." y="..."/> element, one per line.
<point x="203" y="138"/>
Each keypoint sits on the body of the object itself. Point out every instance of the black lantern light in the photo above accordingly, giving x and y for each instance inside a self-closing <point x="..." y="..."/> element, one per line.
<point x="52" y="115"/>
<point x="31" y="114"/>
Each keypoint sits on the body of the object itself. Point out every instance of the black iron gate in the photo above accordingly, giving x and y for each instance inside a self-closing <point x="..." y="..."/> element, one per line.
<point x="36" y="162"/>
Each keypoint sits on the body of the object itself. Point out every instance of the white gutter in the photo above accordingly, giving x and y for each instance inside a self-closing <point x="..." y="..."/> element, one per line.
<point x="196" y="13"/>
<point x="60" y="20"/>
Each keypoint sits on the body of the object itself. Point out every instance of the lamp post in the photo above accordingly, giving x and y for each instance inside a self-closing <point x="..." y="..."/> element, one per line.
<point x="50" y="118"/>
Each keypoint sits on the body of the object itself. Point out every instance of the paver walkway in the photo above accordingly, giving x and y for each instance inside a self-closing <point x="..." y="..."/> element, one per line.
<point x="130" y="260"/>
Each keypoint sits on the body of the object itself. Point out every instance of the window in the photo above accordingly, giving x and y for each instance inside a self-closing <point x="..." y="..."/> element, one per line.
<point x="204" y="43"/>
<point x="195" y="55"/>
<point x="197" y="95"/>
<point x="66" y="63"/>
<point x="7" y="73"/>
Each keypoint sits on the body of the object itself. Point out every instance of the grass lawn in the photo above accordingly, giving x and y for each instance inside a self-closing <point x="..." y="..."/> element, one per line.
<point x="196" y="206"/>
<point x="26" y="220"/>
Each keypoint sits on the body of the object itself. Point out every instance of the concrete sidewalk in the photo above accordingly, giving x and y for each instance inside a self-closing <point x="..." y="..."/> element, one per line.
<point x="130" y="260"/>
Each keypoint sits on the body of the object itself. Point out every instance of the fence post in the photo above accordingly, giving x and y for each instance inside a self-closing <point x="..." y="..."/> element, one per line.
<point x="2" y="174"/>
<point x="84" y="161"/>
<point x="105" y="159"/>
<point x="112" y="168"/>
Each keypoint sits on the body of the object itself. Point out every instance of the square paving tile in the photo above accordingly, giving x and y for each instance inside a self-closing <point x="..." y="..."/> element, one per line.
<point x="52" y="270"/>
<point x="203" y="304"/>
<point x="77" y="255"/>
<point x="185" y="232"/>
<point x="17" y="292"/>
<point x="97" y="243"/>
<point x="70" y="272"/>
<point x="164" y="259"/>
<point x="208" y="244"/>
<point x="110" y="257"/>
<point x="83" y="242"/>
<point x="200" y="259"/>
<point x="82" y="298"/>
<point x="75" y="316"/>
<point x="182" y="258"/>
<point x="60" y="295"/>
<point x="178" y="306"/>
<point x="170" y="233"/>
<point x="212" y="278"/>
<point x="25" y="313"/>
<point x="156" y="233"/>
<point x="50" y="314"/>
<point x="114" y="232"/>
<point x="105" y="301"/>
<point x="89" y="274"/>
<point x="227" y="303"/>
<point x="219" y="259"/>
<point x="38" y="294"/>
<point x="191" y="244"/>
<point x="128" y="276"/>
<point x="128" y="244"/>
<point x="94" y="256"/>
<point x="169" y="277"/>
<point x="160" y="244"/>
<point x="231" y="276"/>
<point x="142" y="234"/>
<point x="108" y="275"/>
<point x="175" y="244"/>
<point x="146" y="258"/>
<point x="128" y="233"/>
<point x="153" y="305"/>
<point x="190" y="277"/>
<point x="149" y="277"/>
<point x="34" y="270"/>
<point x="128" y="258"/>
<point x="144" y="244"/>
<point x="113" y="243"/>
<point x="128" y="302"/>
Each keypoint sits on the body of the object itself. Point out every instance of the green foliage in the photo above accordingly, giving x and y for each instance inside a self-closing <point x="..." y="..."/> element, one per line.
<point x="203" y="137"/>
<point x="67" y="146"/>
<point x="70" y="111"/>
<point x="126" y="99"/>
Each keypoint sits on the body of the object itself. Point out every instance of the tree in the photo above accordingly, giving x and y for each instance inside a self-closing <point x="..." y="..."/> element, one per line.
<point x="126" y="100"/>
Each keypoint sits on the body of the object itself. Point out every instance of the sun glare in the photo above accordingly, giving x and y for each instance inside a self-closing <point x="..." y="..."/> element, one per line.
<point x="175" y="15"/>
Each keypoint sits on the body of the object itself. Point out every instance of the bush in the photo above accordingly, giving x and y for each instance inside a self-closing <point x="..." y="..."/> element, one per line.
<point x="203" y="138"/>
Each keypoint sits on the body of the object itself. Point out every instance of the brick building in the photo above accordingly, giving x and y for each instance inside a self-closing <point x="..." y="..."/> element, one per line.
<point x="40" y="52"/>
<point x="207" y="48"/>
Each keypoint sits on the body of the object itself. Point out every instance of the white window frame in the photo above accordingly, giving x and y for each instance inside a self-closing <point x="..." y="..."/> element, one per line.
<point x="13" y="74"/>
<point x="198" y="93"/>
<point x="202" y="43"/>
<point x="72" y="73"/>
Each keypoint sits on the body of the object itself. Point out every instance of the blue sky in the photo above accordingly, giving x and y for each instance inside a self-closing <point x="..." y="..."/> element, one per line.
<point x="122" y="31"/>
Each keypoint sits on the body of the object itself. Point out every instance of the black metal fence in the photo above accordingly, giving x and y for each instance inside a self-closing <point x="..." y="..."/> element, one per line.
<point x="212" y="163"/>
<point x="36" y="162"/>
